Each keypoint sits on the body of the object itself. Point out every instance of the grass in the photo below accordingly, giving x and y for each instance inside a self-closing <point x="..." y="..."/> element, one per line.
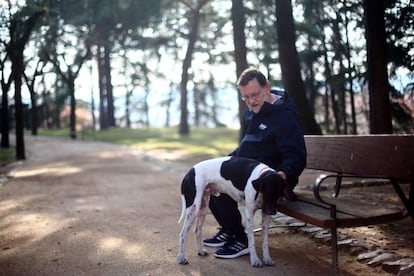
<point x="200" y="144"/>
<point x="7" y="155"/>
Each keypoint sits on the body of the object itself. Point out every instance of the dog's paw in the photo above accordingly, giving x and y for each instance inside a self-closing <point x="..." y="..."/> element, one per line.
<point x="268" y="262"/>
<point x="182" y="260"/>
<point x="202" y="253"/>
<point x="256" y="263"/>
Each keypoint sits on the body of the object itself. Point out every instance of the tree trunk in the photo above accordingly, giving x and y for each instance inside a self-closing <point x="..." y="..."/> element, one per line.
<point x="34" y="117"/>
<point x="194" y="20"/>
<point x="240" y="50"/>
<point x="312" y="90"/>
<point x="350" y="78"/>
<point x="290" y="66"/>
<point x="128" y="96"/>
<point x="379" y="101"/>
<point x="339" y="78"/>
<point x="108" y="83"/>
<point x="58" y="104"/>
<point x="72" y="116"/>
<point x="17" y="69"/>
<point x="330" y="93"/>
<point x="103" y="123"/>
<point x="168" y="103"/>
<point x="21" y="31"/>
<point x="5" y="120"/>
<point x="183" y="128"/>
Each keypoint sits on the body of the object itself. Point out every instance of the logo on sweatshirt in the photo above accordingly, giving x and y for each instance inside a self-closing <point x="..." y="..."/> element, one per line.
<point x="262" y="126"/>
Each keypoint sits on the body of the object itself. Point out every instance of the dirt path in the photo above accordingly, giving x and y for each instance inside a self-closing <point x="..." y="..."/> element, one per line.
<point x="89" y="208"/>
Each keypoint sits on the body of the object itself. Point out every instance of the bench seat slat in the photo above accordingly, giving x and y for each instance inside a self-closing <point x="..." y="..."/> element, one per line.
<point x="349" y="213"/>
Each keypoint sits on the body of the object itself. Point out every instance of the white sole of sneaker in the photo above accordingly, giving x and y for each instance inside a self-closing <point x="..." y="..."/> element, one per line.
<point x="232" y="256"/>
<point x="214" y="244"/>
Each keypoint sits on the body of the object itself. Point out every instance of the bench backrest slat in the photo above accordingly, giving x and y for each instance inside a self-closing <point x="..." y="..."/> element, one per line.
<point x="377" y="155"/>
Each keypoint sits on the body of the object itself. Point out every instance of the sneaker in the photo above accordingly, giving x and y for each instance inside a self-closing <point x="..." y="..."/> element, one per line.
<point x="218" y="240"/>
<point x="232" y="250"/>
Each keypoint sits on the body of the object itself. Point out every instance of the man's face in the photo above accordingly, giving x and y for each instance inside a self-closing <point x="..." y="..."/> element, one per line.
<point x="254" y="95"/>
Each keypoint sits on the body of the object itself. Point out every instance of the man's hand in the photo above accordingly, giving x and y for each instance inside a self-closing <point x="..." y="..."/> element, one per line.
<point x="282" y="175"/>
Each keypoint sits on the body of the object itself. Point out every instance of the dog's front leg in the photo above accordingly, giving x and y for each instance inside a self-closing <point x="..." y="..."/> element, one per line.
<point x="254" y="259"/>
<point x="267" y="260"/>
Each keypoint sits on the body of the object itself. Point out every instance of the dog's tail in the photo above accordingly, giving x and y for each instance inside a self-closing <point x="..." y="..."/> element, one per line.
<point x="182" y="208"/>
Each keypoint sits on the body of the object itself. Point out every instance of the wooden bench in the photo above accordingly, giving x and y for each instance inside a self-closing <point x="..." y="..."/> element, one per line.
<point x="379" y="157"/>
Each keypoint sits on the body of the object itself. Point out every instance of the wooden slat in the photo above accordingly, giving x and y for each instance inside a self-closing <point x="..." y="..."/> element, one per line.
<point x="349" y="214"/>
<point x="350" y="205"/>
<point x="391" y="156"/>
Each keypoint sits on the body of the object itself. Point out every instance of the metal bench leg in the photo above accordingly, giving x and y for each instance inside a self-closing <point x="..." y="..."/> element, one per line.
<point x="408" y="202"/>
<point x="334" y="249"/>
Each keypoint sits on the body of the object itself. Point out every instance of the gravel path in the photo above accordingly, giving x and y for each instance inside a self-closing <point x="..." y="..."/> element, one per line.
<point x="90" y="208"/>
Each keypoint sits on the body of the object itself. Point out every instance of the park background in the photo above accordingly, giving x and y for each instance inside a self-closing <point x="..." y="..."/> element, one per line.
<point x="98" y="65"/>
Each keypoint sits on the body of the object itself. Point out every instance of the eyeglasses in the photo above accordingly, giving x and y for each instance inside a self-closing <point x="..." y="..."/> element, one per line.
<point x="252" y="96"/>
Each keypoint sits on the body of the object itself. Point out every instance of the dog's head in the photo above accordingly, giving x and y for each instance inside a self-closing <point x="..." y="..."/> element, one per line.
<point x="271" y="186"/>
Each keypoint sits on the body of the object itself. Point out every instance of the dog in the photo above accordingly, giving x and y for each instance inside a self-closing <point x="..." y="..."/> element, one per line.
<point x="248" y="181"/>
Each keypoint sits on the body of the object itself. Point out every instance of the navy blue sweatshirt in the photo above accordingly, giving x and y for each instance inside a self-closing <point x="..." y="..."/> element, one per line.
<point x="274" y="136"/>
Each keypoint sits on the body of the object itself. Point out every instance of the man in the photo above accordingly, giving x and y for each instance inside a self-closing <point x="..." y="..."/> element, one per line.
<point x="272" y="134"/>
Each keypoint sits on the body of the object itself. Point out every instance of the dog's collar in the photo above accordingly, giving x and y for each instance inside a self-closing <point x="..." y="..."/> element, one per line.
<point x="265" y="169"/>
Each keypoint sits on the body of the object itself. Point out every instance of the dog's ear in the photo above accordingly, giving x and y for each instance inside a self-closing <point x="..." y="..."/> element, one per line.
<point x="265" y="177"/>
<point x="257" y="184"/>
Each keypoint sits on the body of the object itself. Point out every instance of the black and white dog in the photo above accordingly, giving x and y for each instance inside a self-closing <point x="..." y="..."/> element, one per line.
<point x="247" y="181"/>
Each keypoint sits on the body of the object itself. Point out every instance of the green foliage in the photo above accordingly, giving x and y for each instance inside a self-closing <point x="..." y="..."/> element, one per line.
<point x="54" y="132"/>
<point x="399" y="19"/>
<point x="200" y="144"/>
<point x="7" y="155"/>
